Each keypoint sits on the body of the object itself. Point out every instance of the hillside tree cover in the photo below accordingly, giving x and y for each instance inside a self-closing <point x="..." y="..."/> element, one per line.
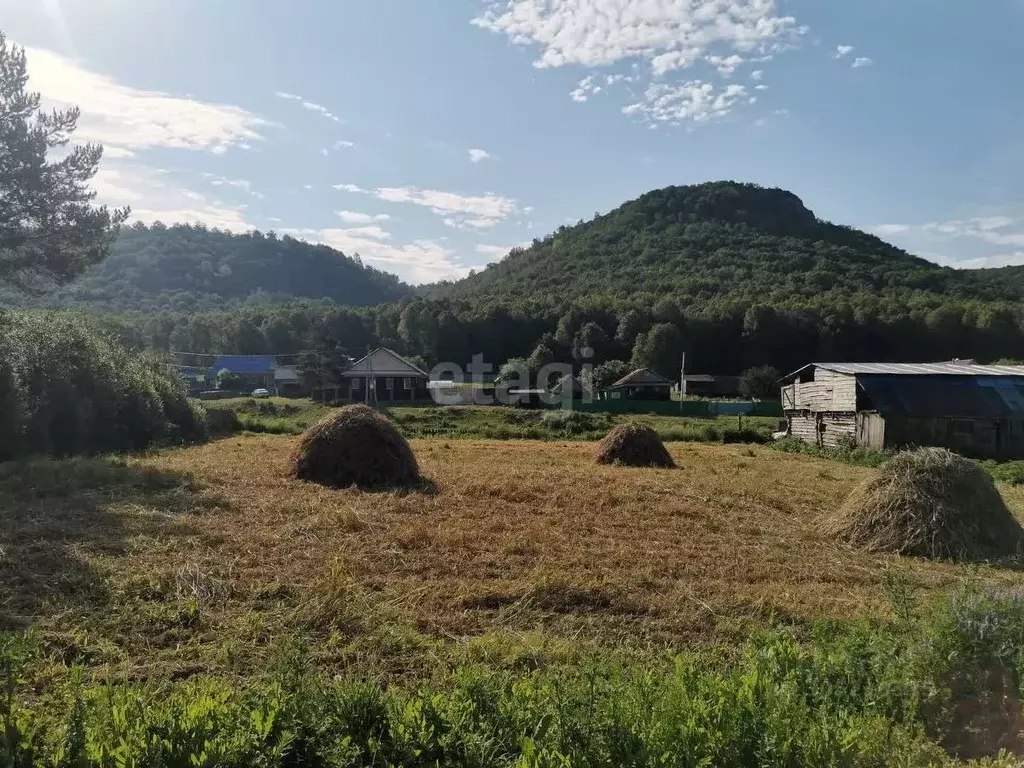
<point x="49" y="230"/>
<point x="735" y="275"/>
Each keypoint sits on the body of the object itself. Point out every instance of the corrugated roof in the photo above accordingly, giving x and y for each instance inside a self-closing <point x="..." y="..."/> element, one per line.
<point x="918" y="369"/>
<point x="244" y="364"/>
<point x="967" y="396"/>
<point x="641" y="377"/>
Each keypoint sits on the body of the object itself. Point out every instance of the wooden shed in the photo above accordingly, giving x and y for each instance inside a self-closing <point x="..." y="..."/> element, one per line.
<point x="973" y="409"/>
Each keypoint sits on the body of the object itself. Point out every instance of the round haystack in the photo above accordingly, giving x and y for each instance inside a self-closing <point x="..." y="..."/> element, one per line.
<point x="633" y="446"/>
<point x="929" y="503"/>
<point x="354" y="446"/>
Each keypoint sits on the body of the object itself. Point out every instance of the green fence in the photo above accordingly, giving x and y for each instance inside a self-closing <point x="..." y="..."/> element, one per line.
<point x="695" y="408"/>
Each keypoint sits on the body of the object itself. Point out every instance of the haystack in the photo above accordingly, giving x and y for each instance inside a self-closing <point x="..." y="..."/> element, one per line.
<point x="634" y="446"/>
<point x="929" y="503"/>
<point x="354" y="446"/>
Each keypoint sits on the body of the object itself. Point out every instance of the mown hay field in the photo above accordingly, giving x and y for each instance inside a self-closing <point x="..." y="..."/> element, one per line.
<point x="207" y="559"/>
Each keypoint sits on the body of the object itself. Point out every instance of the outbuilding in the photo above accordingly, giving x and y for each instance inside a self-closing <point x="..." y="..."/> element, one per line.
<point x="972" y="409"/>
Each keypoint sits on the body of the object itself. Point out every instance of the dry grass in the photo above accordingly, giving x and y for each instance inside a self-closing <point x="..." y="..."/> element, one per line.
<point x="929" y="503"/>
<point x="221" y="556"/>
<point x="633" y="445"/>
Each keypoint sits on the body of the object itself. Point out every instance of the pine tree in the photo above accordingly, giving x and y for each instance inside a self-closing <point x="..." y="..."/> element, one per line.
<point x="49" y="231"/>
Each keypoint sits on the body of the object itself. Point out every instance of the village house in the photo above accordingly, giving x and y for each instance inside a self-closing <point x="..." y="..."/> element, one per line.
<point x="383" y="376"/>
<point x="641" y="384"/>
<point x="257" y="371"/>
<point x="972" y="409"/>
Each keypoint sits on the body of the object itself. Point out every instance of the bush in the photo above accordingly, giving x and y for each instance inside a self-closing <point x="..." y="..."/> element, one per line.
<point x="573" y="422"/>
<point x="67" y="388"/>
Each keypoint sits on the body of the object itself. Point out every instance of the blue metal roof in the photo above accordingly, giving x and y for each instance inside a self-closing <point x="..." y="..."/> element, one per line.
<point x="244" y="364"/>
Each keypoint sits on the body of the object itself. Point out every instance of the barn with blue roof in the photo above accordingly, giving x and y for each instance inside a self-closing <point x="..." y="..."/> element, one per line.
<point x="256" y="370"/>
<point x="974" y="409"/>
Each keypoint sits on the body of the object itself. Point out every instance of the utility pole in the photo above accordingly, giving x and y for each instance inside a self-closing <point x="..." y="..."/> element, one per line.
<point x="682" y="381"/>
<point x="369" y="367"/>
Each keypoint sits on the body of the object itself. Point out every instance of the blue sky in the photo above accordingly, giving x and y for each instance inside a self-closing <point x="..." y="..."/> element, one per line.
<point x="430" y="137"/>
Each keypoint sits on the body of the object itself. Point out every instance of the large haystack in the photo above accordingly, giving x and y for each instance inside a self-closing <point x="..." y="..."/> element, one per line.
<point x="634" y="446"/>
<point x="929" y="503"/>
<point x="354" y="446"/>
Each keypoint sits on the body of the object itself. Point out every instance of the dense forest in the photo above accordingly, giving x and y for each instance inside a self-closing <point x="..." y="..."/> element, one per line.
<point x="736" y="275"/>
<point x="187" y="268"/>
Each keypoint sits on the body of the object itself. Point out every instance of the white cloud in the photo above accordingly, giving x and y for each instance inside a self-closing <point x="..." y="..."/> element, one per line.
<point x="349" y="188"/>
<point x="726" y="65"/>
<point x="373" y="232"/>
<point x="760" y="87"/>
<point x="153" y="196"/>
<point x="312" y="106"/>
<point x="603" y="32"/>
<point x="861" y="61"/>
<point x="124" y="118"/>
<point x="665" y="35"/>
<point x="843" y="50"/>
<point x="419" y="261"/>
<point x="475" y="211"/>
<point x="498" y="251"/>
<point x="884" y="230"/>
<point x="757" y="74"/>
<point x="242" y="184"/>
<point x="477" y="155"/>
<point x="584" y="89"/>
<point x="693" y="100"/>
<point x="352" y="217"/>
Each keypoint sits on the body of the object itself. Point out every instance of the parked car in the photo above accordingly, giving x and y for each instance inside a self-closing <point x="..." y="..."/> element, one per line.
<point x="261" y="392"/>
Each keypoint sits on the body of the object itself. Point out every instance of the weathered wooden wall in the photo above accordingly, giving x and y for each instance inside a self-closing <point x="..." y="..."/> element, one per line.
<point x="827" y="429"/>
<point x="829" y="392"/>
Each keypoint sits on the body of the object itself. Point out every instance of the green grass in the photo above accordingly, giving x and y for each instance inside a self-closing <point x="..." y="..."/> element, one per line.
<point x="281" y="416"/>
<point x="850" y="694"/>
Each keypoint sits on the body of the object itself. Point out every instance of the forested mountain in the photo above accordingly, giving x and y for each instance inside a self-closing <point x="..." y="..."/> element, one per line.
<point x="192" y="268"/>
<point x="734" y="275"/>
<point x="715" y="243"/>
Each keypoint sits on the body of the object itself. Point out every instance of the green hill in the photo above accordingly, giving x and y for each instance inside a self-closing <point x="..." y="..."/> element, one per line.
<point x="713" y="243"/>
<point x="191" y="268"/>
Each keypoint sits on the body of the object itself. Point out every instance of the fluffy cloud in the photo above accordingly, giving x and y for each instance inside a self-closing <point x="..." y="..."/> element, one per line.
<point x="757" y="74"/>
<point x="419" y="261"/>
<point x="666" y="35"/>
<point x="352" y="217"/>
<point x="349" y="188"/>
<point x="312" y="106"/>
<point x="726" y="65"/>
<point x="843" y="50"/>
<point x="603" y="32"/>
<point x="478" y="155"/>
<point x="460" y="211"/>
<point x="965" y="236"/>
<point x="693" y="100"/>
<point x="862" y="61"/>
<point x="124" y="118"/>
<point x="153" y="196"/>
<point x="585" y="88"/>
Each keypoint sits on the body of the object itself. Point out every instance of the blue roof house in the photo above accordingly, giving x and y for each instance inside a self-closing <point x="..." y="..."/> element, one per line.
<point x="255" y="370"/>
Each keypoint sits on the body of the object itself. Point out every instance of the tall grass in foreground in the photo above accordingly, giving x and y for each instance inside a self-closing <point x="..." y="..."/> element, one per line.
<point x="849" y="695"/>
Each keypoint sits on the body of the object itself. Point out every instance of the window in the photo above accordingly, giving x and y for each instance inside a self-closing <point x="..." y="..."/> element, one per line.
<point x="406" y="383"/>
<point x="389" y="383"/>
<point x="357" y="383"/>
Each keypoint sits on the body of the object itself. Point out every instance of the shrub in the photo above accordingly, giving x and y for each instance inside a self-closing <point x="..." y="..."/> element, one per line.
<point x="930" y="503"/>
<point x="573" y="422"/>
<point x="67" y="388"/>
